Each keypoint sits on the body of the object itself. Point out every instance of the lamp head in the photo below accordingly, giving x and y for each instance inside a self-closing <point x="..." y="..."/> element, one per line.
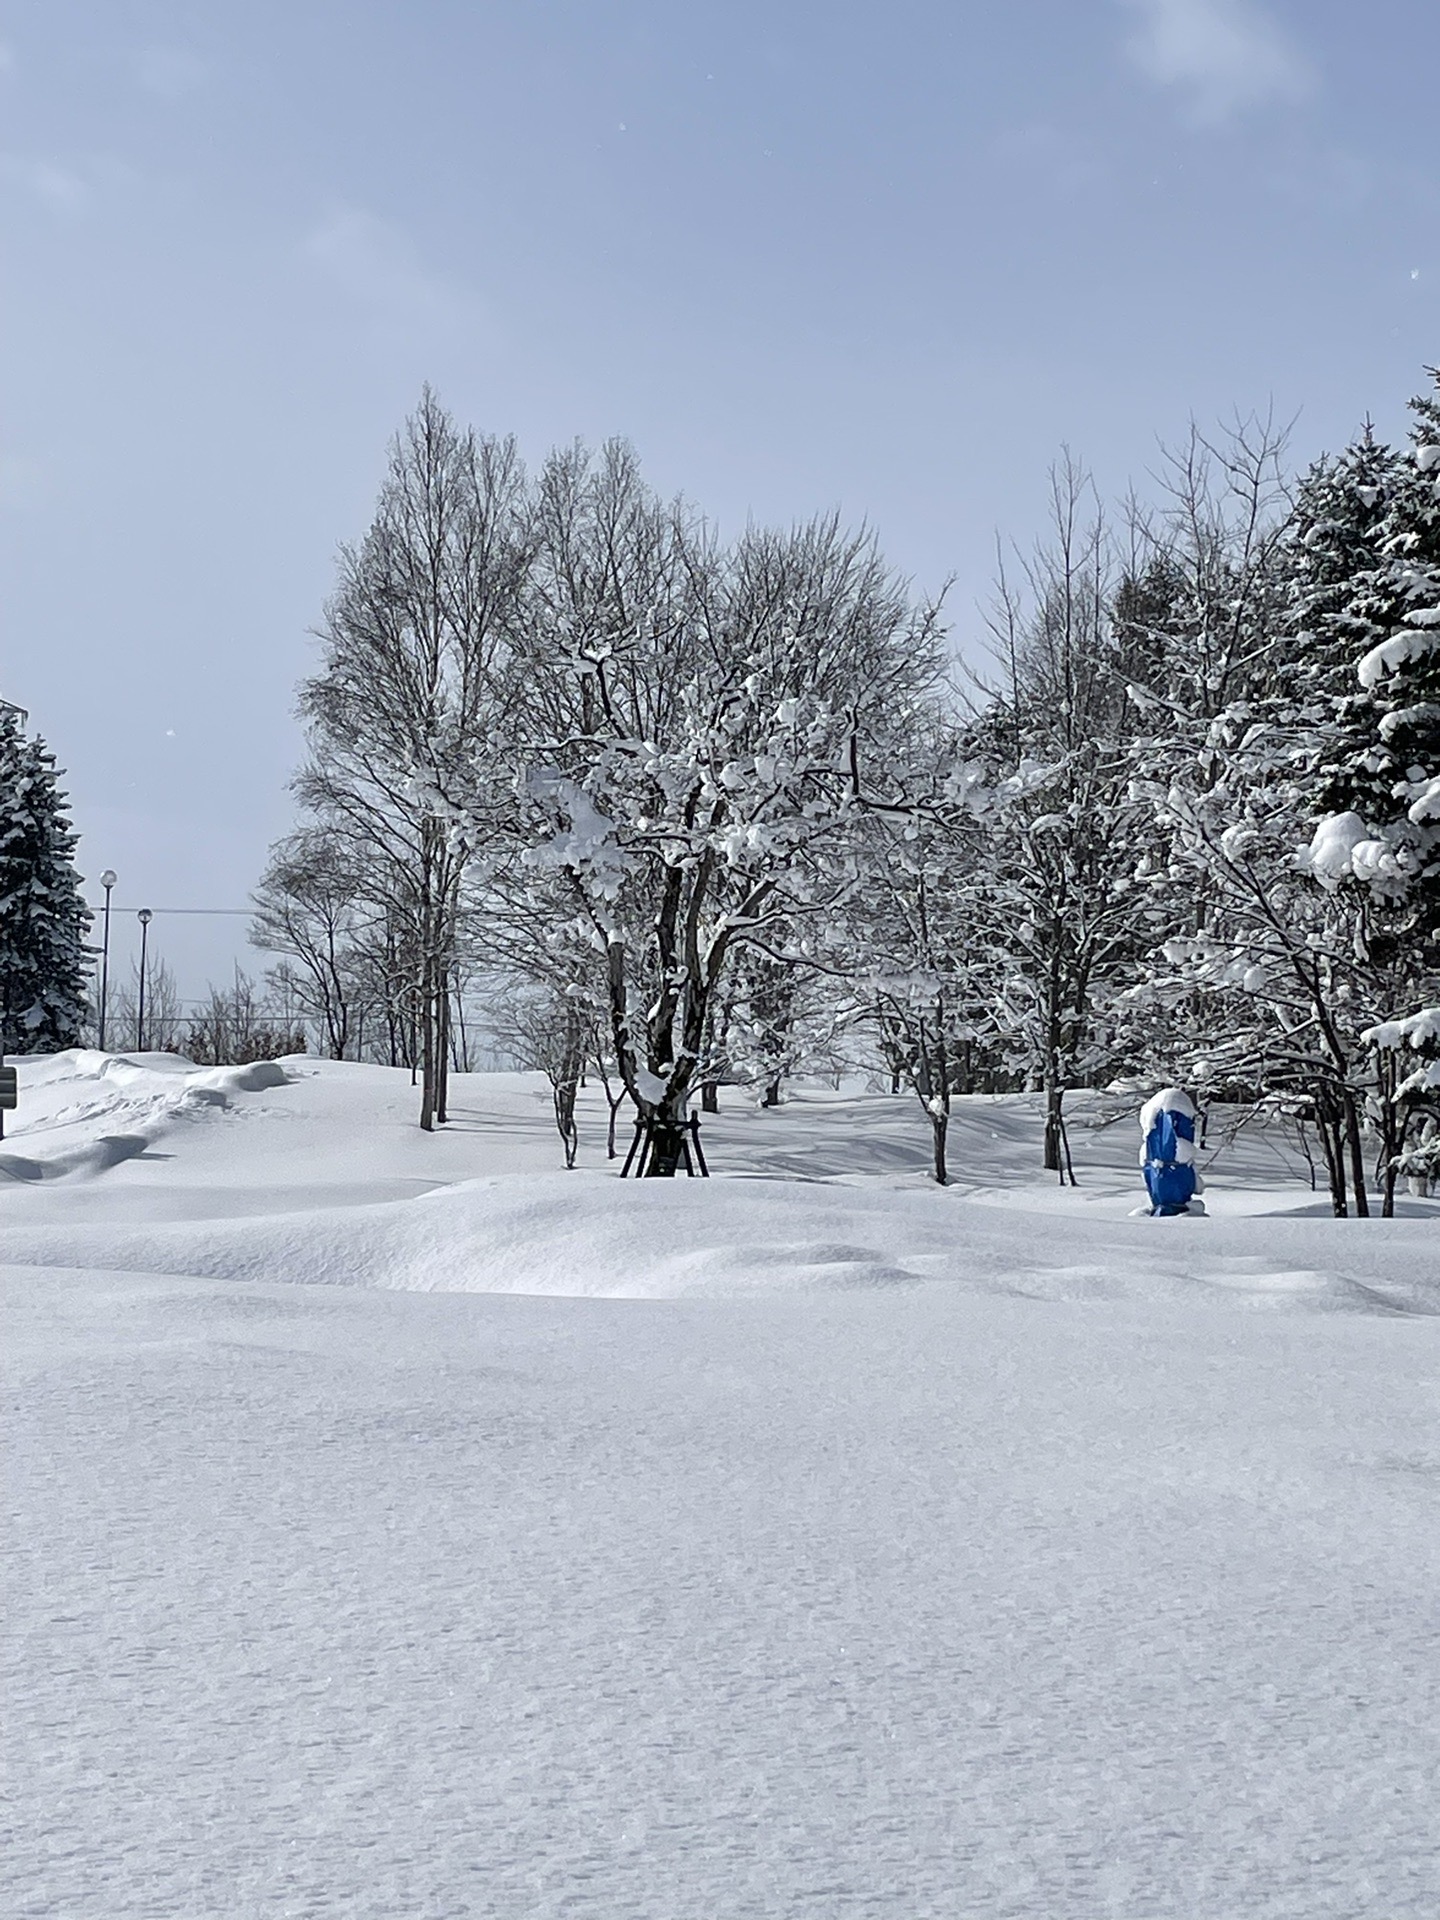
<point x="107" y="878"/>
<point x="145" y="916"/>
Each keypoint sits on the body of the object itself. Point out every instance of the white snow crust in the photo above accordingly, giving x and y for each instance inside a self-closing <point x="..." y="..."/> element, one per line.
<point x="401" y="1526"/>
<point x="1331" y="855"/>
<point x="1403" y="647"/>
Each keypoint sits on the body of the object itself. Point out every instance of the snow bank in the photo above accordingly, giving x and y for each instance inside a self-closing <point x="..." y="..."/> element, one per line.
<point x="589" y="1235"/>
<point x="90" y="1156"/>
<point x="315" y="1173"/>
<point x="82" y="1112"/>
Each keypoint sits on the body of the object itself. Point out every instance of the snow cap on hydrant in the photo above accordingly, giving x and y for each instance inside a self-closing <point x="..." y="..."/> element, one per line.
<point x="1168" y="1100"/>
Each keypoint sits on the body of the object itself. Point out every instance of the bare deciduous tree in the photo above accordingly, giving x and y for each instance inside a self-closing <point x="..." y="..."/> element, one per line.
<point x="310" y="908"/>
<point x="405" y="715"/>
<point x="549" y="1033"/>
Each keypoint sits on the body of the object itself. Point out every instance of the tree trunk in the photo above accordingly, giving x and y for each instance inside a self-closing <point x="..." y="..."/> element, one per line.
<point x="710" y="1098"/>
<point x="939" y="1126"/>
<point x="667" y="1148"/>
<point x="427" y="1047"/>
<point x="564" y="1096"/>
<point x="1391" y="1144"/>
<point x="1327" y="1125"/>
<point x="1054" y="1091"/>
<point x="1054" y="1122"/>
<point x="442" y="1045"/>
<point x="460" y="1044"/>
<point x="1357" y="1156"/>
<point x="772" y="1094"/>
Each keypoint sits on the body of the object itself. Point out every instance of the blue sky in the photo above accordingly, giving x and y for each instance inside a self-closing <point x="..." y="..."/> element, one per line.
<point x="886" y="258"/>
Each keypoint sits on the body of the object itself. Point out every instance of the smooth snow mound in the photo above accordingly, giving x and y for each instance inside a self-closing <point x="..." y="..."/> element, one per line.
<point x="314" y="1172"/>
<point x="585" y="1234"/>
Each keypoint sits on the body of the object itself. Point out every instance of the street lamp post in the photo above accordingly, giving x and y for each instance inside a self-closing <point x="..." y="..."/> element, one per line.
<point x="144" y="917"/>
<point x="107" y="881"/>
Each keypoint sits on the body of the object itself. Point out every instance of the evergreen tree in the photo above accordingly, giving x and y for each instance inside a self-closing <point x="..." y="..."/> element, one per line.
<point x="1328" y="737"/>
<point x="44" y="964"/>
<point x="1368" y="593"/>
<point x="1199" y="634"/>
<point x="1401" y="673"/>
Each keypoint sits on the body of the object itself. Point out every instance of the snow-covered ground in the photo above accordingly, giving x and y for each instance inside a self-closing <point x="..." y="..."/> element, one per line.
<point x="401" y="1526"/>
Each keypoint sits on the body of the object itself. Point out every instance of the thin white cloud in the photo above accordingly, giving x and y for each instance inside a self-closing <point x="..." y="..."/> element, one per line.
<point x="55" y="187"/>
<point x="170" y="72"/>
<point x="7" y="58"/>
<point x="1227" y="55"/>
<point x="375" y="264"/>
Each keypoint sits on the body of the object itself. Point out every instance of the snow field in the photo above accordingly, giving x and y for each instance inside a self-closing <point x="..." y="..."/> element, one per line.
<point x="886" y="1552"/>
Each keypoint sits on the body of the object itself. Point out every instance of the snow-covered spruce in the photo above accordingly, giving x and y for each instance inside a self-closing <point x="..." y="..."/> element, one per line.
<point x="44" y="964"/>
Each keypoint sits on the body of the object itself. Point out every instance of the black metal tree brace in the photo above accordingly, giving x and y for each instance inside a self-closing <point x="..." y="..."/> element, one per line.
<point x="645" y="1151"/>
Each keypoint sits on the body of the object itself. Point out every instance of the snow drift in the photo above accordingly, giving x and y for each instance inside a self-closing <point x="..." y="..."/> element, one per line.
<point x="262" y="1209"/>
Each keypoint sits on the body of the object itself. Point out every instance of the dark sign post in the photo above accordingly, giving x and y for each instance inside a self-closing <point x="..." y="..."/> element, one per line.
<point x="9" y="1091"/>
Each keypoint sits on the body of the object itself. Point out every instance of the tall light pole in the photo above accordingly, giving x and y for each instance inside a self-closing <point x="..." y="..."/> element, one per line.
<point x="107" y="881"/>
<point x="144" y="917"/>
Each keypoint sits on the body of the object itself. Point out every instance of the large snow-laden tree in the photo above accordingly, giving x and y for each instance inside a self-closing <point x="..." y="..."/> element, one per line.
<point x="44" y="963"/>
<point x="1268" y="980"/>
<point x="1407" y="1053"/>
<point x="1372" y="535"/>
<point x="705" y="725"/>
<point x="1256" y="986"/>
<point x="406" y="716"/>
<point x="1366" y="573"/>
<point x="1291" y="973"/>
<point x="1292" y="984"/>
<point x="1252" y="978"/>
<point x="1200" y="628"/>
